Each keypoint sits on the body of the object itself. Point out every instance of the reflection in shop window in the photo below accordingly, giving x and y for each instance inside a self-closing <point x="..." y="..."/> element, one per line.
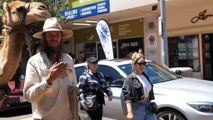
<point x="184" y="52"/>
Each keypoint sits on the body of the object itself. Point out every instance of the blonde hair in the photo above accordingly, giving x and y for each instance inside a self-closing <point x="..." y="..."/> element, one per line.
<point x="135" y="57"/>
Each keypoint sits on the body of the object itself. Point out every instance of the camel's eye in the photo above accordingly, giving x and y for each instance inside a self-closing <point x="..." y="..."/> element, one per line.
<point x="42" y="7"/>
<point x="21" y="9"/>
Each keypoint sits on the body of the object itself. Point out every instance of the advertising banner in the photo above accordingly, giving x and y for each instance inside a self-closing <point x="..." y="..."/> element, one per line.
<point x="104" y="35"/>
<point x="93" y="9"/>
<point x="79" y="3"/>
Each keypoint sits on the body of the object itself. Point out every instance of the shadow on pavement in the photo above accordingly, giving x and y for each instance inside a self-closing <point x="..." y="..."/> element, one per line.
<point x="16" y="112"/>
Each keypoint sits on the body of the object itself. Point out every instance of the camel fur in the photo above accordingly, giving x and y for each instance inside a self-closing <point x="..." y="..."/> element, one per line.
<point x="17" y="15"/>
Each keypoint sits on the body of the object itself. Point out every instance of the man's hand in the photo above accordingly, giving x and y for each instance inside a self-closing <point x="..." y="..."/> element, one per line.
<point x="55" y="71"/>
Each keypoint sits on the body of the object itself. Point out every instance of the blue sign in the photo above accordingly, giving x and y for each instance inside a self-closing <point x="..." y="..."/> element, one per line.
<point x="87" y="10"/>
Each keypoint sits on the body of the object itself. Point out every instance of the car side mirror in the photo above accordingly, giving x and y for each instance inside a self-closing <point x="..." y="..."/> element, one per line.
<point x="178" y="72"/>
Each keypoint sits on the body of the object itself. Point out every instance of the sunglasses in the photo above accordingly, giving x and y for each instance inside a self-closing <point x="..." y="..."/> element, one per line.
<point x="94" y="62"/>
<point x="141" y="63"/>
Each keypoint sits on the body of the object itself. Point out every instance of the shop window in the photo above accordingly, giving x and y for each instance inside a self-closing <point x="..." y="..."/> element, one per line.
<point x="100" y="51"/>
<point x="85" y="50"/>
<point x="128" y="46"/>
<point x="184" y="52"/>
<point x="90" y="50"/>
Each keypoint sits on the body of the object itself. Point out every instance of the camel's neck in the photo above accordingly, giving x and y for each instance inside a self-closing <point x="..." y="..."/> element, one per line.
<point x="14" y="42"/>
<point x="10" y="55"/>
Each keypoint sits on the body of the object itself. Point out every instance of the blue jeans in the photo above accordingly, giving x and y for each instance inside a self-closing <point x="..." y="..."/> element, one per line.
<point x="141" y="111"/>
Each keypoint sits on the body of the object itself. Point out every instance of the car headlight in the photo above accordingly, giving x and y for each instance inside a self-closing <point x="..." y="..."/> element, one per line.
<point x="202" y="106"/>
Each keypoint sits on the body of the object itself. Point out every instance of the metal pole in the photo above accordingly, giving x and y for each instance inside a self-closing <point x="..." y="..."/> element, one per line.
<point x="164" y="42"/>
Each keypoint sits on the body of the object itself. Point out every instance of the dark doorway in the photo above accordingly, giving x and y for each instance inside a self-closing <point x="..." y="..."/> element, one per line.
<point x="128" y="46"/>
<point x="101" y="54"/>
<point x="207" y="56"/>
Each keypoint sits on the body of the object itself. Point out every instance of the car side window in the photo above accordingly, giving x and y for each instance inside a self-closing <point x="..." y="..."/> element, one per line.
<point x="79" y="71"/>
<point x="113" y="78"/>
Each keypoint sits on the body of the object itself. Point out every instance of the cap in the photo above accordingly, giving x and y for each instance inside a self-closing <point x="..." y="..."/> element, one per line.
<point x="92" y="59"/>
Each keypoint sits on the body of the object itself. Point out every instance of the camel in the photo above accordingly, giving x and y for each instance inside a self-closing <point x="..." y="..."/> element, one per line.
<point x="17" y="15"/>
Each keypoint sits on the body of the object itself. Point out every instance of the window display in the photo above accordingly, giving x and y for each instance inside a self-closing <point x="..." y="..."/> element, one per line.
<point x="184" y="52"/>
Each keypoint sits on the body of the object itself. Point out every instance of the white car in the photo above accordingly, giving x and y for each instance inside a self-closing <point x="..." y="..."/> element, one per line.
<point x="178" y="98"/>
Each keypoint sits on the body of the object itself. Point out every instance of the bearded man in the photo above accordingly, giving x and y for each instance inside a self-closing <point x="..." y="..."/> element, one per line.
<point x="50" y="74"/>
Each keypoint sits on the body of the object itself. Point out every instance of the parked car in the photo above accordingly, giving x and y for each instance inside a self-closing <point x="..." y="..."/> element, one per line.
<point x="183" y="71"/>
<point x="178" y="98"/>
<point x="11" y="97"/>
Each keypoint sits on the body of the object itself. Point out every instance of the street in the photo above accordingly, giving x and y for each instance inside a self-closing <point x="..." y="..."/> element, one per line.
<point x="19" y="114"/>
<point x="21" y="117"/>
<point x="25" y="114"/>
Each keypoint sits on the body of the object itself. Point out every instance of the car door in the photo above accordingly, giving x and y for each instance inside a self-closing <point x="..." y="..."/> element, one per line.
<point x="113" y="108"/>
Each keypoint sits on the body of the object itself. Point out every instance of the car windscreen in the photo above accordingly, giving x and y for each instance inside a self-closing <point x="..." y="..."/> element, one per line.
<point x="158" y="74"/>
<point x="155" y="72"/>
<point x="126" y="68"/>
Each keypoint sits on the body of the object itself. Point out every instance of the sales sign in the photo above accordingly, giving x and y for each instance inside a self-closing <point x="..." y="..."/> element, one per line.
<point x="87" y="10"/>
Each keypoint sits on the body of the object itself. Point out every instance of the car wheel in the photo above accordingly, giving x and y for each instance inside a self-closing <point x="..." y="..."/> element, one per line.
<point x="170" y="115"/>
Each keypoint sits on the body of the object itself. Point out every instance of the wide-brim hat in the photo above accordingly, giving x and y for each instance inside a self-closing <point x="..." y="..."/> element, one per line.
<point x="52" y="24"/>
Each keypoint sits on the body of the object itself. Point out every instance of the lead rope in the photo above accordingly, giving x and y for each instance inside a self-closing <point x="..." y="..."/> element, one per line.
<point x="27" y="37"/>
<point x="28" y="42"/>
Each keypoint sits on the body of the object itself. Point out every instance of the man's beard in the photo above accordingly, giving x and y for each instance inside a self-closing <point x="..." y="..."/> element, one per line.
<point x="52" y="50"/>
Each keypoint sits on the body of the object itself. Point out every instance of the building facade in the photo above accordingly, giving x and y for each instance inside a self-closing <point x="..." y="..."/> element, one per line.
<point x="189" y="27"/>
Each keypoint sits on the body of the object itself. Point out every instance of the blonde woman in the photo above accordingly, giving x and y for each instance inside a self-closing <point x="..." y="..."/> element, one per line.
<point x="137" y="91"/>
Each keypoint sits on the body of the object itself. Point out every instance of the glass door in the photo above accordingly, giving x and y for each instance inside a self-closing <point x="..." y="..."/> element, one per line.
<point x="208" y="56"/>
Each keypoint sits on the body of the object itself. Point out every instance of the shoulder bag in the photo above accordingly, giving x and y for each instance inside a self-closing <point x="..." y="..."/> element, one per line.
<point x="91" y="102"/>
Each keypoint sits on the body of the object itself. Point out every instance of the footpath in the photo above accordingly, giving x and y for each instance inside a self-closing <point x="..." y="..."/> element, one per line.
<point x="29" y="117"/>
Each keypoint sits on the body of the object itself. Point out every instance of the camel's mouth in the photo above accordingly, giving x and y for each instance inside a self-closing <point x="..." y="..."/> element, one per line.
<point x="43" y="16"/>
<point x="36" y="17"/>
<point x="37" y="12"/>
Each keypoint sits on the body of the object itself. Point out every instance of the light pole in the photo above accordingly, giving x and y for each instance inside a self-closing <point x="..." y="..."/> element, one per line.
<point x="164" y="41"/>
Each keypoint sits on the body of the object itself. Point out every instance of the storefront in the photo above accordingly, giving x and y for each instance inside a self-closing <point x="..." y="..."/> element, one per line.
<point x="127" y="37"/>
<point x="190" y="39"/>
<point x="189" y="33"/>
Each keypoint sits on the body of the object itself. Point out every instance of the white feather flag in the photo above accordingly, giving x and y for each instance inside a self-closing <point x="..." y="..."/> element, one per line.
<point x="104" y="34"/>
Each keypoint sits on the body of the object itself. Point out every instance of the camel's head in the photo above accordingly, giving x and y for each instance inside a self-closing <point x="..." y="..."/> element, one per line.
<point x="18" y="12"/>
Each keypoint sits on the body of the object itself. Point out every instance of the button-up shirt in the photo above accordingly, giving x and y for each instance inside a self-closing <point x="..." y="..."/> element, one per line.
<point x="49" y="102"/>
